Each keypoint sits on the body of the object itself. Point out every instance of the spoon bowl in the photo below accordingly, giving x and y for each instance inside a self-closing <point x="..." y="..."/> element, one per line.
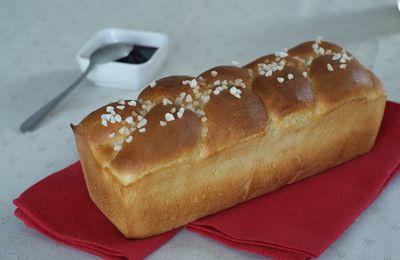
<point x="110" y="52"/>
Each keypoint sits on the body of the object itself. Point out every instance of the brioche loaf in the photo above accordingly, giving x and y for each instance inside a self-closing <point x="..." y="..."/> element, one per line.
<point x="193" y="146"/>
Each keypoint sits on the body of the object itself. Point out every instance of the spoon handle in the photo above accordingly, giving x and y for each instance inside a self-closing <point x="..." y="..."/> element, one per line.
<point x="30" y="123"/>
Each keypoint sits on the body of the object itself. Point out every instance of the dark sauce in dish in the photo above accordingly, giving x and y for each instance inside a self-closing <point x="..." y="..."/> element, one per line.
<point x="139" y="54"/>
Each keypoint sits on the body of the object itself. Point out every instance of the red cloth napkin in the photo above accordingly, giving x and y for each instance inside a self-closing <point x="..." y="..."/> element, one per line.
<point x="59" y="207"/>
<point x="301" y="220"/>
<point x="296" y="222"/>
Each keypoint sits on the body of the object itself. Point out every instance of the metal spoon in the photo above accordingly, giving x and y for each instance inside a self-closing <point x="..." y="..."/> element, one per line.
<point x="102" y="55"/>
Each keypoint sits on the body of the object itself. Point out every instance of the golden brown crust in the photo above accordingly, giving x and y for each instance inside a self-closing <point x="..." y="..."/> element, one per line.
<point x="166" y="144"/>
<point x="231" y="119"/>
<point x="305" y="49"/>
<point x="270" y="58"/>
<point x="98" y="137"/>
<point x="230" y="134"/>
<point x="284" y="98"/>
<point x="168" y="87"/>
<point x="228" y="73"/>
<point x="334" y="87"/>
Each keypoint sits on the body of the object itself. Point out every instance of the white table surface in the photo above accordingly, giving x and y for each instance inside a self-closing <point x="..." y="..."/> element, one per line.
<point x="40" y="38"/>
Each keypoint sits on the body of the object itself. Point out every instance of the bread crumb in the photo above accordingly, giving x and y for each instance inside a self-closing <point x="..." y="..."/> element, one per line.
<point x="169" y="117"/>
<point x="117" y="147"/>
<point x="129" y="139"/>
<point x="153" y="84"/>
<point x="204" y="131"/>
<point x="132" y="103"/>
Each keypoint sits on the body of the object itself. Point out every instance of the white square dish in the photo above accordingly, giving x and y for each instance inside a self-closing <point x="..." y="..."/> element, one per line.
<point x="124" y="75"/>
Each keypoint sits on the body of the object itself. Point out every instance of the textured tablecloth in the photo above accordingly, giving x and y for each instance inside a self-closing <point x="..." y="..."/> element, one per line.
<point x="39" y="40"/>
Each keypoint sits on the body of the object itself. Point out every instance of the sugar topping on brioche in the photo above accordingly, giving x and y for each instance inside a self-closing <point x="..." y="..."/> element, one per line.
<point x="224" y="105"/>
<point x="193" y="100"/>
